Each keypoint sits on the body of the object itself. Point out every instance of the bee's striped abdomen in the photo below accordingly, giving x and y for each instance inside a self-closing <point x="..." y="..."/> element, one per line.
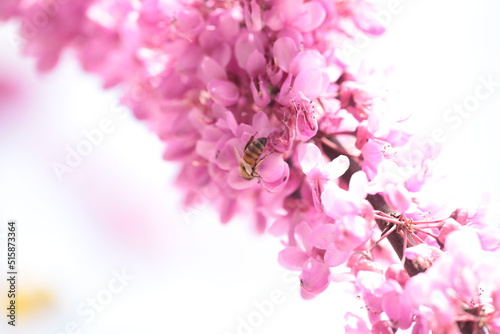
<point x="254" y="150"/>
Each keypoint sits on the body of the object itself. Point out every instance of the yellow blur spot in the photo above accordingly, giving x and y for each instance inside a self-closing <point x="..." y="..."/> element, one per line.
<point x="29" y="302"/>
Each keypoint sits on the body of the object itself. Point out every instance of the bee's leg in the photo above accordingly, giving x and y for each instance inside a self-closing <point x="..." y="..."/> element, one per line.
<point x="237" y="154"/>
<point x="248" y="168"/>
<point x="250" y="141"/>
<point x="254" y="171"/>
<point x="261" y="159"/>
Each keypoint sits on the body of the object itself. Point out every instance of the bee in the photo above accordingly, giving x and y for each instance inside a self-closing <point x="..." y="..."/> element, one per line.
<point x="251" y="157"/>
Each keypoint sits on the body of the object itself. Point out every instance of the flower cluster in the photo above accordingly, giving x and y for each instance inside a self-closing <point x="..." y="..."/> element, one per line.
<point x="255" y="101"/>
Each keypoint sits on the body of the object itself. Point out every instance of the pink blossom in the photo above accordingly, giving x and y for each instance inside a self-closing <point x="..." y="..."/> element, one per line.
<point x="354" y="324"/>
<point x="349" y="206"/>
<point x="318" y="172"/>
<point x="212" y="78"/>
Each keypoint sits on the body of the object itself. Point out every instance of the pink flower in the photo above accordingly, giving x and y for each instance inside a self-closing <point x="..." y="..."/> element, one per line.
<point x="266" y="119"/>
<point x="353" y="213"/>
<point x="360" y="12"/>
<point x="452" y="283"/>
<point x="302" y="255"/>
<point x="318" y="172"/>
<point x="355" y="324"/>
<point x="315" y="277"/>
<point x="424" y="254"/>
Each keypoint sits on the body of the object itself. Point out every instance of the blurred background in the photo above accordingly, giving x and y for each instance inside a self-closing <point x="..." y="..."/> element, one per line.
<point x="109" y="250"/>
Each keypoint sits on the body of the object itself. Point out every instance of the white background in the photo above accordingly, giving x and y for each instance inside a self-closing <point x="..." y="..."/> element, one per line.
<point x="119" y="211"/>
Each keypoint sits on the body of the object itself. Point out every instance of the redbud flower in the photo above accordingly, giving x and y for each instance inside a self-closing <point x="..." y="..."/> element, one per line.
<point x="267" y="118"/>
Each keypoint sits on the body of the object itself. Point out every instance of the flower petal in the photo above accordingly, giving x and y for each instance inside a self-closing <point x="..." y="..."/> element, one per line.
<point x="284" y="50"/>
<point x="292" y="258"/>
<point x="335" y="257"/>
<point x="310" y="82"/>
<point x="309" y="157"/>
<point x="312" y="16"/>
<point x="315" y="276"/>
<point x="223" y="92"/>
<point x="323" y="237"/>
<point x="358" y="185"/>
<point x="337" y="167"/>
<point x="272" y="168"/>
<point x="256" y="64"/>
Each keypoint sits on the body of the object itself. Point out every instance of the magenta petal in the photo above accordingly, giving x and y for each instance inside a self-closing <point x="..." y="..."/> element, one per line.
<point x="382" y="327"/>
<point x="289" y="9"/>
<point x="273" y="19"/>
<point x="323" y="237"/>
<point x="260" y="93"/>
<point x="315" y="276"/>
<point x="210" y="70"/>
<point x="307" y="59"/>
<point x="422" y="252"/>
<point x="390" y="304"/>
<point x="312" y="16"/>
<point x="177" y="150"/>
<point x="228" y="26"/>
<point x="309" y="157"/>
<point x="355" y="324"/>
<point x="309" y="82"/>
<point x="352" y="231"/>
<point x="303" y="236"/>
<point x="292" y="258"/>
<point x="253" y="16"/>
<point x="405" y="313"/>
<point x="368" y="23"/>
<point x="336" y="201"/>
<point x="279" y="227"/>
<point x="398" y="197"/>
<point x="397" y="308"/>
<point x="450" y="225"/>
<point x="307" y="125"/>
<point x="231" y="122"/>
<point x="190" y="60"/>
<point x="223" y="92"/>
<point x="280" y="183"/>
<point x="489" y="237"/>
<point x="372" y="158"/>
<point x="326" y="81"/>
<point x="316" y="180"/>
<point x="337" y="167"/>
<point x="284" y="96"/>
<point x="225" y="156"/>
<point x="284" y="50"/>
<point x="335" y="257"/>
<point x="358" y="185"/>
<point x="204" y="148"/>
<point x="222" y="54"/>
<point x="236" y="181"/>
<point x="209" y="39"/>
<point x="261" y="122"/>
<point x="247" y="42"/>
<point x="306" y="295"/>
<point x="418" y="289"/>
<point x="256" y="64"/>
<point x="272" y="168"/>
<point x="189" y="22"/>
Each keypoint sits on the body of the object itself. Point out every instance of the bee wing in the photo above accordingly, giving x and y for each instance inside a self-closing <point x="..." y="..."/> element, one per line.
<point x="237" y="154"/>
<point x="250" y="141"/>
<point x="243" y="163"/>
